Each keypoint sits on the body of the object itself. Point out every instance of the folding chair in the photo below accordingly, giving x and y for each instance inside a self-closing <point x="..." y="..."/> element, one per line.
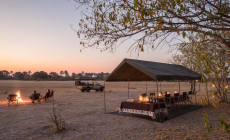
<point x="35" y="97"/>
<point x="12" y="99"/>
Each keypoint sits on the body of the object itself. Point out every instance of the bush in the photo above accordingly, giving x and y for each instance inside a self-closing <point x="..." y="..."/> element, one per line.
<point x="56" y="118"/>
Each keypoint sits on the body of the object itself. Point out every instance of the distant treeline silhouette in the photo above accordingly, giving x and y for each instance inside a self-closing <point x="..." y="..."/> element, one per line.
<point x="52" y="76"/>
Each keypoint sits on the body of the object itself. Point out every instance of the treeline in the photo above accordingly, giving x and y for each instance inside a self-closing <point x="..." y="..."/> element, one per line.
<point x="52" y="76"/>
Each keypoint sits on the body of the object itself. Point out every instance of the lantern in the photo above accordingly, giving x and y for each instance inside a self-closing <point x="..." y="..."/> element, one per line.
<point x="130" y="100"/>
<point x="213" y="85"/>
<point x="146" y="99"/>
<point x="159" y="94"/>
<point x="140" y="98"/>
<point x="226" y="86"/>
<point x="143" y="98"/>
<point x="168" y="92"/>
<point x="175" y="91"/>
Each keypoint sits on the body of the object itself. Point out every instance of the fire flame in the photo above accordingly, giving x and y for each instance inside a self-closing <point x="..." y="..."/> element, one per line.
<point x="19" y="96"/>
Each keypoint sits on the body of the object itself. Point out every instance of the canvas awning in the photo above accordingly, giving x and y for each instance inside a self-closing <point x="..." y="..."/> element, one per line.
<point x="139" y="70"/>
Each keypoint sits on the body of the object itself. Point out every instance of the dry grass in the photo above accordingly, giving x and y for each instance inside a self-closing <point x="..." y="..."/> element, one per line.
<point x="84" y="114"/>
<point x="57" y="119"/>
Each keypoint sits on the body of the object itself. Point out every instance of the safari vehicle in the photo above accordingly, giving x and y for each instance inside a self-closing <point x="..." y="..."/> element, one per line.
<point x="87" y="87"/>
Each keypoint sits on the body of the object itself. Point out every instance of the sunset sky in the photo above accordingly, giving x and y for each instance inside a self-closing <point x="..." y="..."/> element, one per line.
<point x="37" y="35"/>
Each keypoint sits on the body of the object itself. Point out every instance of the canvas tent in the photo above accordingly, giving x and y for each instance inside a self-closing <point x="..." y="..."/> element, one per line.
<point x="139" y="70"/>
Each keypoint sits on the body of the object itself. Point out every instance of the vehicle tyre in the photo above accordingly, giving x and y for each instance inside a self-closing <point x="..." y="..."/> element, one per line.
<point x="83" y="90"/>
<point x="97" y="90"/>
<point x="87" y="89"/>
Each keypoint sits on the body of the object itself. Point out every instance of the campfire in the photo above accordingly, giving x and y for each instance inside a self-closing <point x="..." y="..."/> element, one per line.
<point x="19" y="96"/>
<point x="15" y="99"/>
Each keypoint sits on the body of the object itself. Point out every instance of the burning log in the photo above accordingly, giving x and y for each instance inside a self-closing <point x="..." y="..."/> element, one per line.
<point x="14" y="99"/>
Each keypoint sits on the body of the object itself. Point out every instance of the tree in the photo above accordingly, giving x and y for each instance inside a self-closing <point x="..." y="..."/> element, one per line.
<point x="54" y="76"/>
<point x="29" y="72"/>
<point x="66" y="73"/>
<point x="40" y="75"/>
<point x="18" y="76"/>
<point x="208" y="59"/>
<point x="4" y="74"/>
<point x="11" y="73"/>
<point x="73" y="76"/>
<point x="26" y="75"/>
<point x="153" y="22"/>
<point x="61" y="73"/>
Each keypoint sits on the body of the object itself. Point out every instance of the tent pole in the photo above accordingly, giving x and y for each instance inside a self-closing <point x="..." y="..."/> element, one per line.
<point x="104" y="99"/>
<point x="128" y="89"/>
<point x="146" y="87"/>
<point x="157" y="86"/>
<point x="179" y="86"/>
<point x="194" y="89"/>
<point x="206" y="85"/>
<point x="160" y="85"/>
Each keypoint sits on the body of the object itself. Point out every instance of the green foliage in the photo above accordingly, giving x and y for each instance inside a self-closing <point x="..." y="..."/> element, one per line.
<point x="113" y="21"/>
<point x="215" y="92"/>
<point x="53" y="76"/>
<point x="204" y="101"/>
<point x="4" y="74"/>
<point x="40" y="75"/>
<point x="215" y="103"/>
<point x="225" y="125"/>
<point x="207" y="125"/>
<point x="208" y="59"/>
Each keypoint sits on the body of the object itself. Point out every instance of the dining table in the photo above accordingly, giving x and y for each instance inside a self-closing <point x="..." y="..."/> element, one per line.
<point x="144" y="108"/>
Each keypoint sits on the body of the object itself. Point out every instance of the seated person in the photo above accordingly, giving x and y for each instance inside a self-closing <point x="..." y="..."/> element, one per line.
<point x="47" y="94"/>
<point x="51" y="93"/>
<point x="34" y="96"/>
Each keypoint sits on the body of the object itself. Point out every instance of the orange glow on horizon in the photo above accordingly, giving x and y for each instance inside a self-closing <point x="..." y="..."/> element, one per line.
<point x="56" y="68"/>
<point x="44" y="41"/>
<point x="71" y="67"/>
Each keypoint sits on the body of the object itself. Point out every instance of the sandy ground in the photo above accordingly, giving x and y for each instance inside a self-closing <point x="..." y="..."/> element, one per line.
<point x="85" y="118"/>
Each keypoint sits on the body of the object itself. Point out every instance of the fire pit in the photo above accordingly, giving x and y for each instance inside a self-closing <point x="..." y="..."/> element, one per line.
<point x="12" y="99"/>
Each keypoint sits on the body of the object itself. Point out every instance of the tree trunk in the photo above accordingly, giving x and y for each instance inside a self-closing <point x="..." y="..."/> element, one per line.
<point x="206" y="84"/>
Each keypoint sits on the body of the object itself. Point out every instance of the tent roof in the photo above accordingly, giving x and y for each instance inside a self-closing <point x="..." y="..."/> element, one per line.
<point x="139" y="70"/>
